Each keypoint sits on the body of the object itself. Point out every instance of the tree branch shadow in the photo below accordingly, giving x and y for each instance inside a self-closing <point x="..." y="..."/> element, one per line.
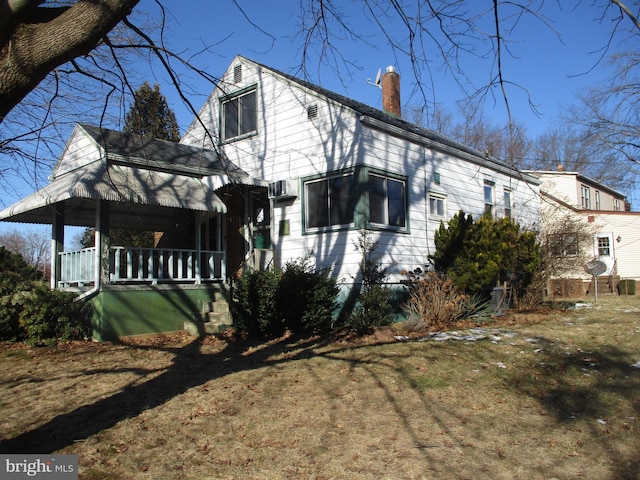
<point x="191" y="368"/>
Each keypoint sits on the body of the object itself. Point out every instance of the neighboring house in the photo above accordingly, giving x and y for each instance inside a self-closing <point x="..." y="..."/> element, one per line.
<point x="610" y="232"/>
<point x="273" y="169"/>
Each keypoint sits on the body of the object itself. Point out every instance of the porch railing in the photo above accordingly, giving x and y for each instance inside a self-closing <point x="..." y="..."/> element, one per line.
<point x="131" y="265"/>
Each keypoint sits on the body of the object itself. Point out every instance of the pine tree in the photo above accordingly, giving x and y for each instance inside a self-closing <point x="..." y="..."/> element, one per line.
<point x="150" y="115"/>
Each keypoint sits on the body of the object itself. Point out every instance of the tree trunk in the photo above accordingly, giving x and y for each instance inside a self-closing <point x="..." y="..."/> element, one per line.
<point x="36" y="40"/>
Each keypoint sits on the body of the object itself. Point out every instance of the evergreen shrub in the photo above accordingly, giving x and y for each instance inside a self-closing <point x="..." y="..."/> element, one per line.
<point x="30" y="311"/>
<point x="298" y="297"/>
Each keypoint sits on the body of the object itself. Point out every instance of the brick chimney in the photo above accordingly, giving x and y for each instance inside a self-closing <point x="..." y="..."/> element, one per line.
<point x="391" y="92"/>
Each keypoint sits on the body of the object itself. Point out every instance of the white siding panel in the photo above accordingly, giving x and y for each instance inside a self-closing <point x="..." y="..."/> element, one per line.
<point x="80" y="150"/>
<point x="626" y="226"/>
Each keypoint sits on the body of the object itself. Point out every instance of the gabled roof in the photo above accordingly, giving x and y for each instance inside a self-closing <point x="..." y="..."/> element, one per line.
<point x="579" y="177"/>
<point x="134" y="193"/>
<point x="142" y="178"/>
<point x="399" y="127"/>
<point x="154" y="154"/>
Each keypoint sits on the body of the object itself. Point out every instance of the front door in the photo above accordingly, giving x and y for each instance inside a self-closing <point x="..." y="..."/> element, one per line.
<point x="603" y="246"/>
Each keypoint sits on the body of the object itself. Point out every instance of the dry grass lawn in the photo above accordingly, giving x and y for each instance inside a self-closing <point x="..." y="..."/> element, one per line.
<point x="556" y="397"/>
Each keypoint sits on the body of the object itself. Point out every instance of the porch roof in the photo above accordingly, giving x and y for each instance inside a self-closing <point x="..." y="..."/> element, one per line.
<point x="137" y="194"/>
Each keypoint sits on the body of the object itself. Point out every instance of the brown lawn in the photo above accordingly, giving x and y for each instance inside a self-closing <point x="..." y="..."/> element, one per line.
<point x="557" y="396"/>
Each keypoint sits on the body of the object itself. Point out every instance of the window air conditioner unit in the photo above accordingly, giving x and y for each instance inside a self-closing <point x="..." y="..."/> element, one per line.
<point x="283" y="189"/>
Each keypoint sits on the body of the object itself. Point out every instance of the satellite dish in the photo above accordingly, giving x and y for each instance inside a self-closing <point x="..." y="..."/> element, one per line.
<point x="377" y="82"/>
<point x="595" y="267"/>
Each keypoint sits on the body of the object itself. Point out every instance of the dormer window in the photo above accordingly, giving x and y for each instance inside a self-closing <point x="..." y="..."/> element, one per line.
<point x="239" y="115"/>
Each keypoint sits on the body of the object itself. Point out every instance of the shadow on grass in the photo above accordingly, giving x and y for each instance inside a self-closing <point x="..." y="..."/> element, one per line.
<point x="599" y="389"/>
<point x="190" y="368"/>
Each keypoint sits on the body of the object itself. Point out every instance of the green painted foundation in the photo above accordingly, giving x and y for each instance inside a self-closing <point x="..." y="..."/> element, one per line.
<point x="120" y="311"/>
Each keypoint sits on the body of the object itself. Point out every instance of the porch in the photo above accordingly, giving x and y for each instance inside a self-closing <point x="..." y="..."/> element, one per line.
<point x="135" y="265"/>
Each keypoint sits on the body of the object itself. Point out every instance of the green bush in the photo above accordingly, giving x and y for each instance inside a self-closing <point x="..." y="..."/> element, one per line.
<point x="477" y="256"/>
<point x="256" y="292"/>
<point x="298" y="297"/>
<point x="307" y="297"/>
<point x="373" y="309"/>
<point x="30" y="311"/>
<point x="373" y="303"/>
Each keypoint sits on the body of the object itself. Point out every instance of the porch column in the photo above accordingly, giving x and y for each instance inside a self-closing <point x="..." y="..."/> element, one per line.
<point x="198" y="273"/>
<point x="102" y="259"/>
<point x="57" y="243"/>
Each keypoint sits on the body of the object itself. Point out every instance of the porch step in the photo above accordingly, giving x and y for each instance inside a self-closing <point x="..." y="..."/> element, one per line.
<point x="218" y="318"/>
<point x="607" y="285"/>
<point x="215" y="317"/>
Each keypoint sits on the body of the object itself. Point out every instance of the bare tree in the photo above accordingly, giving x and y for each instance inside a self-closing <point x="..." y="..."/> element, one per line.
<point x="82" y="48"/>
<point x="34" y="247"/>
<point x="36" y="38"/>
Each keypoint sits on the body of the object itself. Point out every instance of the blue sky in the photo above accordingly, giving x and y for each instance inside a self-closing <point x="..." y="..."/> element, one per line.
<point x="549" y="60"/>
<point x="551" y="65"/>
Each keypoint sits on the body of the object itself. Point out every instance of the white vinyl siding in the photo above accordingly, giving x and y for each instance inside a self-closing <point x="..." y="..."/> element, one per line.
<point x="287" y="146"/>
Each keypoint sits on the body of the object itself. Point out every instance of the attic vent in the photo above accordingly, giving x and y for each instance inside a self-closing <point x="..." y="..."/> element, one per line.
<point x="312" y="111"/>
<point x="237" y="74"/>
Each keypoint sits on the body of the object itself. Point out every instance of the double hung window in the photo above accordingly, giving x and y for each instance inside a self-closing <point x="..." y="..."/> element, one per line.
<point x="329" y="201"/>
<point x="488" y="198"/>
<point x="507" y="204"/>
<point x="436" y="206"/>
<point x="239" y="115"/>
<point x="387" y="205"/>
<point x="585" y="197"/>
<point x="563" y="245"/>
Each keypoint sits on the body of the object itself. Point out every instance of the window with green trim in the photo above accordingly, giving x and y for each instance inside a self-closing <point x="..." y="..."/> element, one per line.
<point x="387" y="204"/>
<point x="239" y="115"/>
<point x="330" y="202"/>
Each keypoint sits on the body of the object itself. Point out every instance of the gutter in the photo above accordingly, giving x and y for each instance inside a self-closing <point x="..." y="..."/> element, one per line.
<point x="450" y="147"/>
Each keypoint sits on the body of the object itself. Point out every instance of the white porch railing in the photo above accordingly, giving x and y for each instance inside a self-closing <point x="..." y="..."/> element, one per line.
<point x="130" y="265"/>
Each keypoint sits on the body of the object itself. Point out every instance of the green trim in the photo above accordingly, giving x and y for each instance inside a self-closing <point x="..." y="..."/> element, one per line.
<point x="119" y="312"/>
<point x="361" y="203"/>
<point x="228" y="97"/>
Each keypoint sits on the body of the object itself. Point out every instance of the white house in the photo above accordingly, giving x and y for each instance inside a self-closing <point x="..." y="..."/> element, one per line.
<point x="335" y="166"/>
<point x="273" y="169"/>
<point x="614" y="231"/>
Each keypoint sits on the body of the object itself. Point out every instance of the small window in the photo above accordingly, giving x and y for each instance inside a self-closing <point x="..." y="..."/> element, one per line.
<point x="507" y="204"/>
<point x="604" y="247"/>
<point x="488" y="198"/>
<point x="616" y="204"/>
<point x="436" y="206"/>
<point x="563" y="245"/>
<point x="585" y="196"/>
<point x="329" y="202"/>
<point x="387" y="204"/>
<point x="239" y="115"/>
